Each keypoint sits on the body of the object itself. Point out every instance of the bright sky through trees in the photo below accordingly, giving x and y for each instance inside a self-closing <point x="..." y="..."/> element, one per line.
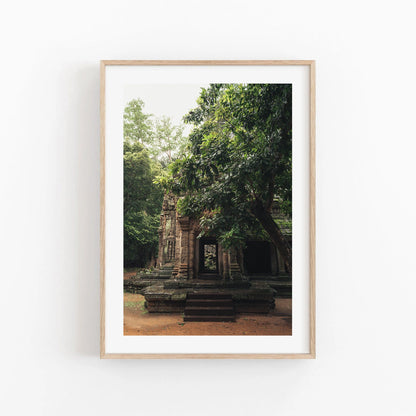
<point x="171" y="100"/>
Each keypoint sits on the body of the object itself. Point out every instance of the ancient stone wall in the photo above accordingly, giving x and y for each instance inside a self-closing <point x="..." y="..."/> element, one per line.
<point x="179" y="248"/>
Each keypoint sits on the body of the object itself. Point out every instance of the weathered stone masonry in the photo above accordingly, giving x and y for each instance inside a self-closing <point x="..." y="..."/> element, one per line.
<point x="188" y="264"/>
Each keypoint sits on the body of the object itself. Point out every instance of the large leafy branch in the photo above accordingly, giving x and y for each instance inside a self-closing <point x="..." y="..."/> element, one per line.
<point x="239" y="162"/>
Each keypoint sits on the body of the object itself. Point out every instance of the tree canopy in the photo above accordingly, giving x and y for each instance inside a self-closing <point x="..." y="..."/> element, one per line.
<point x="168" y="141"/>
<point x="142" y="203"/>
<point x="239" y="162"/>
<point x="137" y="126"/>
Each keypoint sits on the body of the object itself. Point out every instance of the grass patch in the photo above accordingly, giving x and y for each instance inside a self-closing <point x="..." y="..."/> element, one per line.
<point x="135" y="305"/>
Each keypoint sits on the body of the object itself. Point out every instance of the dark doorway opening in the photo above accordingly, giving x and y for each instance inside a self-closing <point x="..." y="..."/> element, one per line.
<point x="208" y="255"/>
<point x="257" y="257"/>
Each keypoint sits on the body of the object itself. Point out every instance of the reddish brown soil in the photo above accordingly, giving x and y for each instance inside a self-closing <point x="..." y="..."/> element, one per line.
<point x="137" y="321"/>
<point x="130" y="273"/>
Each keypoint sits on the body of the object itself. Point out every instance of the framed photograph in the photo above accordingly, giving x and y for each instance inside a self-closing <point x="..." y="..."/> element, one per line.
<point x="207" y="209"/>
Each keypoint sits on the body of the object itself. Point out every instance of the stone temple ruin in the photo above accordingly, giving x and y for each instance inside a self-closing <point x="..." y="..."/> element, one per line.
<point x="198" y="277"/>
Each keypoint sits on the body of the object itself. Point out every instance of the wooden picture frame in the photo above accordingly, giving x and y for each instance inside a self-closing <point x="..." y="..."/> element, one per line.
<point x="308" y="66"/>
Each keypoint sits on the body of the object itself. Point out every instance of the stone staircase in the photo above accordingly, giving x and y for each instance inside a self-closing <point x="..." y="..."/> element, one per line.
<point x="209" y="276"/>
<point x="207" y="306"/>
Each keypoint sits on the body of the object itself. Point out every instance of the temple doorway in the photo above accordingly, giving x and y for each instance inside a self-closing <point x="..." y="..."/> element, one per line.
<point x="257" y="258"/>
<point x="208" y="255"/>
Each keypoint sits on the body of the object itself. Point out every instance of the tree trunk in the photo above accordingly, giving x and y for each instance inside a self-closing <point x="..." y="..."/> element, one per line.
<point x="266" y="220"/>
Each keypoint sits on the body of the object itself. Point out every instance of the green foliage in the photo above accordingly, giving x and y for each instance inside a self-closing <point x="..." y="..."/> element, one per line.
<point x="136" y="124"/>
<point x="164" y="141"/>
<point x="137" y="306"/>
<point x="149" y="146"/>
<point x="239" y="160"/>
<point x="168" y="141"/>
<point x="142" y="204"/>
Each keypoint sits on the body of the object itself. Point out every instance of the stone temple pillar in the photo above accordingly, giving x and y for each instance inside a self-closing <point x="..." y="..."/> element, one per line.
<point x="191" y="256"/>
<point x="274" y="263"/>
<point x="184" y="256"/>
<point x="281" y="263"/>
<point x="235" y="270"/>
<point x="160" y="251"/>
<point x="225" y="265"/>
<point x="167" y="231"/>
<point x="177" y="247"/>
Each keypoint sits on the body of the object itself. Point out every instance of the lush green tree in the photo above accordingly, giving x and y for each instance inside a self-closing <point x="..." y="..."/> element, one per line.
<point x="239" y="162"/>
<point x="168" y="141"/>
<point x="137" y="126"/>
<point x="142" y="205"/>
<point x="149" y="146"/>
<point x="163" y="140"/>
<point x="142" y="197"/>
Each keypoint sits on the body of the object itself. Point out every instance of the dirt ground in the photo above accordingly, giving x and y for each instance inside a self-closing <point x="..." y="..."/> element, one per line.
<point x="137" y="321"/>
<point x="130" y="273"/>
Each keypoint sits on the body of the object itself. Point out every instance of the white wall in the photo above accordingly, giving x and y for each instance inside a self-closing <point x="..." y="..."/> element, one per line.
<point x="49" y="173"/>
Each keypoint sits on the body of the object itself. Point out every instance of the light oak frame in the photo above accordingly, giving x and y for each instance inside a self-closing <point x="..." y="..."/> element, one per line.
<point x="312" y="176"/>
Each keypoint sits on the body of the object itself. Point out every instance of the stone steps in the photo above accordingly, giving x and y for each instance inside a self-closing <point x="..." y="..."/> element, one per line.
<point x="211" y="310"/>
<point x="208" y="302"/>
<point x="209" y="307"/>
<point x="209" y="276"/>
<point x="208" y="295"/>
